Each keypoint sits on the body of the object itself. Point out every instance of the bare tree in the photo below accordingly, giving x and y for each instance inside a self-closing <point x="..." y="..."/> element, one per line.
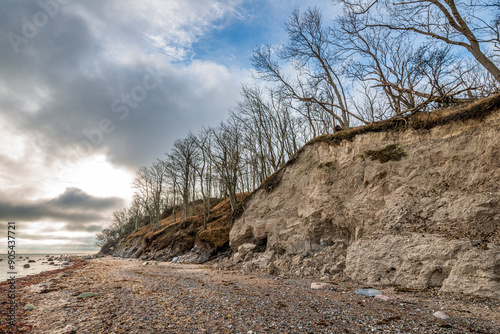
<point x="411" y="78"/>
<point x="134" y="211"/>
<point x="370" y="103"/>
<point x="172" y="180"/>
<point x="149" y="187"/>
<point x="226" y="156"/>
<point x="310" y="52"/>
<point x="120" y="218"/>
<point x="271" y="133"/>
<point x="143" y="185"/>
<point x="157" y="171"/>
<point x="454" y="23"/>
<point x="182" y="159"/>
<point x="204" y="171"/>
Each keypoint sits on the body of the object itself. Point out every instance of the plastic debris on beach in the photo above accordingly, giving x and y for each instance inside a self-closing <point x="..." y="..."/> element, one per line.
<point x="368" y="292"/>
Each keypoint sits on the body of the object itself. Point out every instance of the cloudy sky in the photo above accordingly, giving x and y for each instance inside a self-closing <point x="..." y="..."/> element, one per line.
<point x="91" y="90"/>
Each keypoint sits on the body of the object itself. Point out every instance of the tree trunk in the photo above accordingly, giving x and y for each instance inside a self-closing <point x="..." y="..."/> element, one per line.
<point x="194" y="193"/>
<point x="174" y="204"/>
<point x="485" y="61"/>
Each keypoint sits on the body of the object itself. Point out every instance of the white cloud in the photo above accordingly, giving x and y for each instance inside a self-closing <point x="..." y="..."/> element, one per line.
<point x="154" y="26"/>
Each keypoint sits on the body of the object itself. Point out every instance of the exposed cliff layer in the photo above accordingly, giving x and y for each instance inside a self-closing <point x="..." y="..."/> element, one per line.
<point x="414" y="203"/>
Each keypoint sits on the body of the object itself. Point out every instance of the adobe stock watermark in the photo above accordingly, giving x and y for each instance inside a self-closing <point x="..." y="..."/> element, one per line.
<point x="121" y="107"/>
<point x="30" y="27"/>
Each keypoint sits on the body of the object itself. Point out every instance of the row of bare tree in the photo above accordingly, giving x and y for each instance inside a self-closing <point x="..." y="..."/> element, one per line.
<point x="379" y="59"/>
<point x="386" y="58"/>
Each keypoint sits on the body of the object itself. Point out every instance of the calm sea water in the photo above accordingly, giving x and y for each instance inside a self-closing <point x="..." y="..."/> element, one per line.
<point x="41" y="264"/>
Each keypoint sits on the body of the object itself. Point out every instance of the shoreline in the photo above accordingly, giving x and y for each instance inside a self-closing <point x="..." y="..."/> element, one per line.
<point x="39" y="264"/>
<point x="184" y="298"/>
<point x="21" y="283"/>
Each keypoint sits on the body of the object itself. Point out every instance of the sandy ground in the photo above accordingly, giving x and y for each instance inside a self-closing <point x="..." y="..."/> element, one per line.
<point x="180" y="298"/>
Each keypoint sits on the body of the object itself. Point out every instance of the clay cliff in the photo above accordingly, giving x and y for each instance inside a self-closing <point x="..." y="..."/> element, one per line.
<point x="412" y="202"/>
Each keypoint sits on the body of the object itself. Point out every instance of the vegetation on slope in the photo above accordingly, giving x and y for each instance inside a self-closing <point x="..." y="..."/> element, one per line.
<point x="181" y="235"/>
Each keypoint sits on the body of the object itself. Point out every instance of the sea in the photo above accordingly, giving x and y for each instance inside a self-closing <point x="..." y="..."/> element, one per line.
<point x="41" y="264"/>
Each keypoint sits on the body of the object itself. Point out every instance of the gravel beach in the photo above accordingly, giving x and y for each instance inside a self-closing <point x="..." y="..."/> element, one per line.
<point x="130" y="297"/>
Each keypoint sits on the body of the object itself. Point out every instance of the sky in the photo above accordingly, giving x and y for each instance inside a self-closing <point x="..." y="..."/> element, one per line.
<point x="92" y="90"/>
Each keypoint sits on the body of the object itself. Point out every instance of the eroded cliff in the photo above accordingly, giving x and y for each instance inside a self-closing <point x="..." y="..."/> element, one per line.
<point x="414" y="203"/>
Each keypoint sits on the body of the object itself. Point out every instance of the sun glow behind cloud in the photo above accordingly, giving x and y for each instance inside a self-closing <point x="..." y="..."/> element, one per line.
<point x="97" y="176"/>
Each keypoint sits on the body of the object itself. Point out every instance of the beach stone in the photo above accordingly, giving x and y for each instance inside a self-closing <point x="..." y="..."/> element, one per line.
<point x="29" y="307"/>
<point x="384" y="298"/>
<point x="175" y="259"/>
<point x="26" y="266"/>
<point x="200" y="253"/>
<point x="271" y="269"/>
<point x="31" y="261"/>
<point x="87" y="295"/>
<point x="368" y="292"/>
<point x="145" y="263"/>
<point x="49" y="288"/>
<point x="321" y="286"/>
<point x="246" y="248"/>
<point x="441" y="315"/>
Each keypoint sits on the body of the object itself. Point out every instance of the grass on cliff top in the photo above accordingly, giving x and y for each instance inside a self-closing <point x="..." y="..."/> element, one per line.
<point x="477" y="110"/>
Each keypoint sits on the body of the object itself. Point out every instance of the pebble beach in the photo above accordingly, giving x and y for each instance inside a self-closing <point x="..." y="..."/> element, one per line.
<point x="114" y="295"/>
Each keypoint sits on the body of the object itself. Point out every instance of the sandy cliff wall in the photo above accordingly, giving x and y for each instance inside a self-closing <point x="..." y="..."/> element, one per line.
<point x="430" y="216"/>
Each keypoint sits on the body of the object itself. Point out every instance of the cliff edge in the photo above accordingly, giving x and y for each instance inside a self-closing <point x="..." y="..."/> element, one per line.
<point x="412" y="202"/>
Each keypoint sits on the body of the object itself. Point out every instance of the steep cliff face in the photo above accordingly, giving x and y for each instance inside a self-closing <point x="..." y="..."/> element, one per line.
<point x="417" y="205"/>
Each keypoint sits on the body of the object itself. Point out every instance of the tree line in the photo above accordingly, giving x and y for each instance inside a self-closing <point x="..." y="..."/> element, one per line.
<point x="378" y="59"/>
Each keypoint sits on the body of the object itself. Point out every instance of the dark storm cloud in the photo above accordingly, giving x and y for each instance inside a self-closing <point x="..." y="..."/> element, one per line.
<point x="39" y="231"/>
<point x="60" y="86"/>
<point x="79" y="210"/>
